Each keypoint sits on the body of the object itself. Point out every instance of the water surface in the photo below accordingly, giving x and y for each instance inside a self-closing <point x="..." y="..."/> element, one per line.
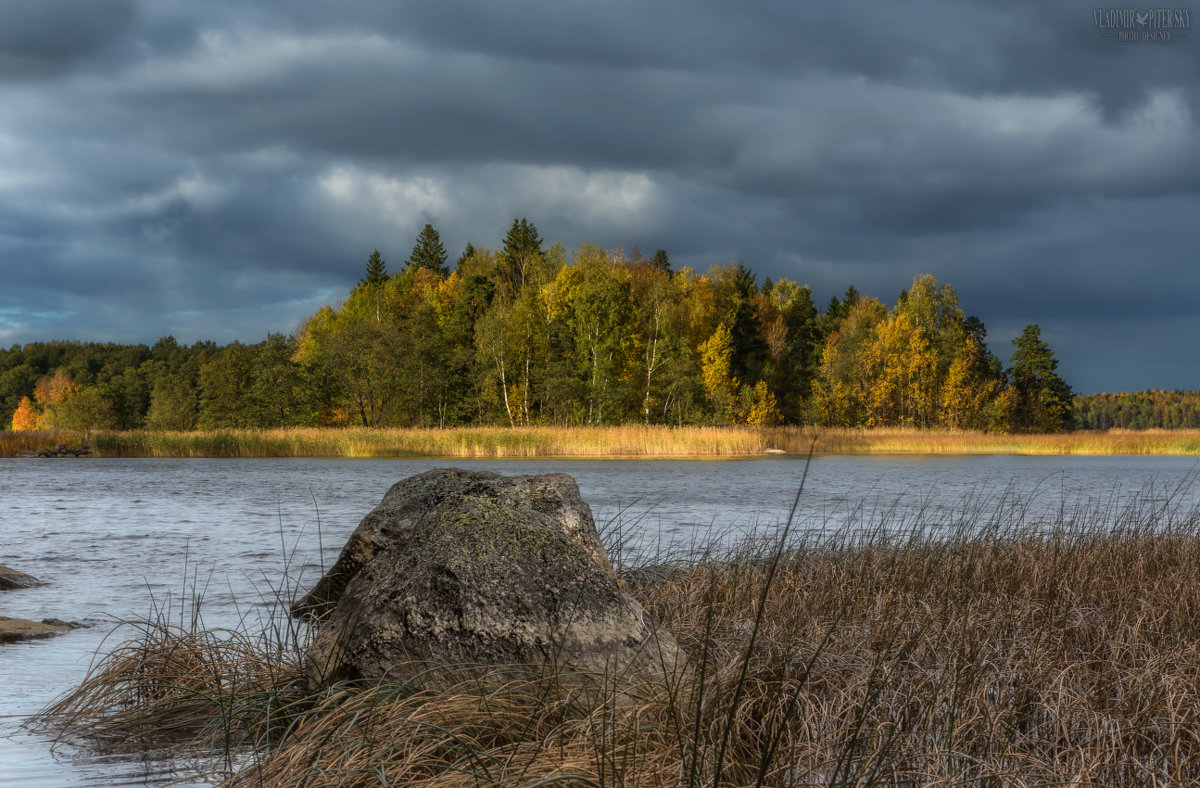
<point x="134" y="539"/>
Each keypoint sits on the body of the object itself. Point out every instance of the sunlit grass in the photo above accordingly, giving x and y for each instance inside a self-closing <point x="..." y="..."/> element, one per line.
<point x="612" y="442"/>
<point x="898" y="440"/>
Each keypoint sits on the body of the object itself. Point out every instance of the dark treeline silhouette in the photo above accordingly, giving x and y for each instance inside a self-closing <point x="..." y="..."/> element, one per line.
<point x="527" y="334"/>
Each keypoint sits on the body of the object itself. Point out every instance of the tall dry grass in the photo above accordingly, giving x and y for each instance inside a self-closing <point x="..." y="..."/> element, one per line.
<point x="900" y="440"/>
<point x="12" y="443"/>
<point x="474" y="442"/>
<point x="608" y="442"/>
<point x="975" y="647"/>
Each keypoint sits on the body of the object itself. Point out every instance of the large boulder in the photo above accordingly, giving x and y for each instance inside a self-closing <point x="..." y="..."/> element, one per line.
<point x="457" y="568"/>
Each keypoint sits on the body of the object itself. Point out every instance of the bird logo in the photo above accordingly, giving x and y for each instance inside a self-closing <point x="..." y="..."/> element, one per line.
<point x="1142" y="19"/>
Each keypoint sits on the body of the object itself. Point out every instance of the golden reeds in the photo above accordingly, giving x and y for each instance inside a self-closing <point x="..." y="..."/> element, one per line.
<point x="596" y="442"/>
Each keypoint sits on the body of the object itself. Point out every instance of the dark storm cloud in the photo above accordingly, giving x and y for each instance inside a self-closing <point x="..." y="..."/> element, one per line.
<point x="220" y="169"/>
<point x="45" y="38"/>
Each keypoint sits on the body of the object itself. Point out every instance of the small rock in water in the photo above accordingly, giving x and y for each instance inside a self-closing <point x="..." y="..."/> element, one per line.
<point x="13" y="629"/>
<point x="11" y="578"/>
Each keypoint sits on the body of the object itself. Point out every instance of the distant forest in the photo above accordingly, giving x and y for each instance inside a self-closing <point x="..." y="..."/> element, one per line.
<point x="1140" y="410"/>
<point x="528" y="334"/>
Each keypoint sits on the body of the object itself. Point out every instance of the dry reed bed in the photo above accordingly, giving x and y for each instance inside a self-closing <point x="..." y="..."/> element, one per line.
<point x="615" y="442"/>
<point x="981" y="651"/>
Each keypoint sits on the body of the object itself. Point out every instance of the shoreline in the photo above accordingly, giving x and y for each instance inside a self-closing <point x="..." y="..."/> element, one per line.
<point x="622" y="442"/>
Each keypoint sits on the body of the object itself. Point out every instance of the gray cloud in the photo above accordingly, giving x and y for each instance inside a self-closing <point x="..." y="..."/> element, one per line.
<point x="219" y="170"/>
<point x="42" y="39"/>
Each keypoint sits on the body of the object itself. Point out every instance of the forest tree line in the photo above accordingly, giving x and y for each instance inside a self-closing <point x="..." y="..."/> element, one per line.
<point x="1139" y="410"/>
<point x="528" y="334"/>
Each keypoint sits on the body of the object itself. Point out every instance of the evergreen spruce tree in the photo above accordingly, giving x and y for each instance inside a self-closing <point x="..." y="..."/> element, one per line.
<point x="376" y="270"/>
<point x="428" y="252"/>
<point x="466" y="255"/>
<point x="661" y="261"/>
<point x="1043" y="401"/>
<point x="521" y="249"/>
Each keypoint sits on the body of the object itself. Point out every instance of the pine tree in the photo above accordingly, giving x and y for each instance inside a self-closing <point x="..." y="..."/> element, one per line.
<point x="661" y="261"/>
<point x="376" y="270"/>
<point x="428" y="252"/>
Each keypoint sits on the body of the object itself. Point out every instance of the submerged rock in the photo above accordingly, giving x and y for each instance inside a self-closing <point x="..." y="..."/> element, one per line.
<point x="13" y="629"/>
<point x="458" y="568"/>
<point x="11" y="578"/>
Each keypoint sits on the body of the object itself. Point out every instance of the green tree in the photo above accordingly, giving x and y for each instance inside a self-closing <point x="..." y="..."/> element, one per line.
<point x="172" y="404"/>
<point x="353" y="351"/>
<point x="467" y="254"/>
<point x="792" y="335"/>
<point x="87" y="410"/>
<point x="277" y="390"/>
<point x="658" y="336"/>
<point x="594" y="296"/>
<point x="737" y="303"/>
<point x="842" y="390"/>
<point x="1043" y="399"/>
<point x="495" y="346"/>
<point x="226" y="382"/>
<point x="661" y="262"/>
<point x="428" y="252"/>
<point x="520" y="253"/>
<point x="376" y="269"/>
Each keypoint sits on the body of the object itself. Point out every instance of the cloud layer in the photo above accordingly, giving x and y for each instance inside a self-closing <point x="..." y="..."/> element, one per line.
<point x="220" y="170"/>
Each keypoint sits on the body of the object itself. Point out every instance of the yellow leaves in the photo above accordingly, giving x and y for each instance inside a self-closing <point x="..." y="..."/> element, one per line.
<point x="56" y="389"/>
<point x="764" y="410"/>
<point x="443" y="296"/>
<point x="904" y="389"/>
<point x="967" y="391"/>
<point x="26" y="418"/>
<point x="716" y="369"/>
<point x="914" y="365"/>
<point x="59" y="403"/>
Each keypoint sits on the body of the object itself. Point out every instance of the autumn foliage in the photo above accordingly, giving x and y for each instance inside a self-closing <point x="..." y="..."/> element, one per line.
<point x="529" y="335"/>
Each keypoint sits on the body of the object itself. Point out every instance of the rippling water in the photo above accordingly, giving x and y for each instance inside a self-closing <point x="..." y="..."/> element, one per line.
<point x="122" y="539"/>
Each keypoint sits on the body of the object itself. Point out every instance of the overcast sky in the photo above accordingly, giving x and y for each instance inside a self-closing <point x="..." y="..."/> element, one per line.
<point x="219" y="170"/>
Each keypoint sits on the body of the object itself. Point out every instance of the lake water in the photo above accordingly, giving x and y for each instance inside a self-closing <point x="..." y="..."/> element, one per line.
<point x="119" y="539"/>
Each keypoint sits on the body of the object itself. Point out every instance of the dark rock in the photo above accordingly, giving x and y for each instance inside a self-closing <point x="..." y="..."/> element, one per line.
<point x="11" y="578"/>
<point x="457" y="568"/>
<point x="61" y="450"/>
<point x="58" y="622"/>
